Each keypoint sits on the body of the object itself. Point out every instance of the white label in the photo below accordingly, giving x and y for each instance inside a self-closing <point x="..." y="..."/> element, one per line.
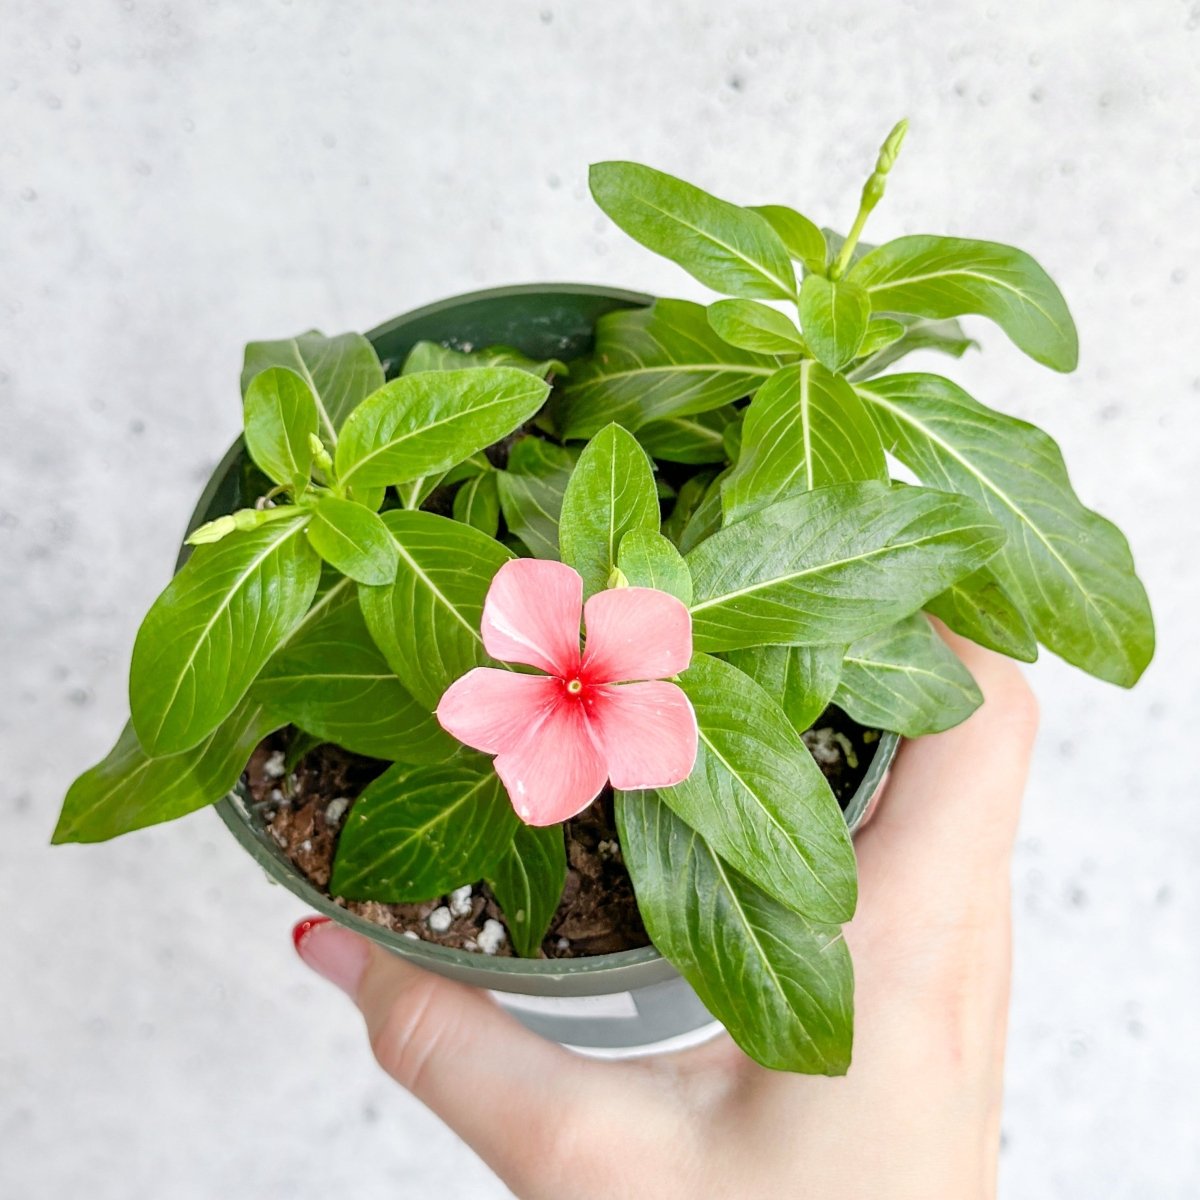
<point x="617" y="1005"/>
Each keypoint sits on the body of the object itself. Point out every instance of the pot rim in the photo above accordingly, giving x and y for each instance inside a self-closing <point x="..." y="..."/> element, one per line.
<point x="622" y="969"/>
<point x="633" y="299"/>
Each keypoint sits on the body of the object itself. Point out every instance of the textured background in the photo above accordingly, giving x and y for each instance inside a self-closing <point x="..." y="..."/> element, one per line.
<point x="176" y="179"/>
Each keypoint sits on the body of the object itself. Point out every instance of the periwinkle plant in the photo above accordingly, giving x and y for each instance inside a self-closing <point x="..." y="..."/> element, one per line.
<point x="737" y="457"/>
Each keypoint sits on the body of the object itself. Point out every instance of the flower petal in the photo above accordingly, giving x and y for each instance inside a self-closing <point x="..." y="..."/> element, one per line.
<point x="649" y="735"/>
<point x="531" y="615"/>
<point x="557" y="771"/>
<point x="493" y="710"/>
<point x="635" y="633"/>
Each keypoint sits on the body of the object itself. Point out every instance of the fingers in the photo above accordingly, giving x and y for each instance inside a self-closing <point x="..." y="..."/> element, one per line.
<point x="505" y="1091"/>
<point x="931" y="938"/>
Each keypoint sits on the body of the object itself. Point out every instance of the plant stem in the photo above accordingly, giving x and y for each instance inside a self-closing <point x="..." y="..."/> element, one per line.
<point x="872" y="193"/>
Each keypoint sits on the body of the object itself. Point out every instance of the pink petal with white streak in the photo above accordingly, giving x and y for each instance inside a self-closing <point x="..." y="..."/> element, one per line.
<point x="557" y="771"/>
<point x="493" y="710"/>
<point x="531" y="615"/>
<point x="648" y="733"/>
<point x="635" y="633"/>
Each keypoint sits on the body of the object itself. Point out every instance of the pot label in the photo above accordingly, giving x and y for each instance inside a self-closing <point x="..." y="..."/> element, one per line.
<point x="617" y="1006"/>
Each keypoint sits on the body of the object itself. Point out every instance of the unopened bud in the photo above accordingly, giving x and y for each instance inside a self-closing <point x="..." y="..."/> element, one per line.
<point x="320" y="454"/>
<point x="874" y="187"/>
<point x="238" y="522"/>
<point x="891" y="147"/>
<point x="250" y="518"/>
<point x="872" y="193"/>
<point x="212" y="531"/>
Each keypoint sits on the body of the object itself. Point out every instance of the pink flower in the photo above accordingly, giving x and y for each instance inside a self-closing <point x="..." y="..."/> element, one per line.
<point x="558" y="737"/>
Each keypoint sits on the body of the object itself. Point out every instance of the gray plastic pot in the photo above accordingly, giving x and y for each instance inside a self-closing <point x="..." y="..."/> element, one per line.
<point x="631" y="1002"/>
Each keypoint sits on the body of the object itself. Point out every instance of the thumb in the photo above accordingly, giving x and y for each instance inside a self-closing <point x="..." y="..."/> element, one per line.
<point x="948" y="816"/>
<point x="505" y="1091"/>
<point x="934" y="921"/>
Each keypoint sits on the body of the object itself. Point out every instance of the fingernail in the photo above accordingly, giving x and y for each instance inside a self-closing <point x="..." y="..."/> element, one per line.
<point x="333" y="952"/>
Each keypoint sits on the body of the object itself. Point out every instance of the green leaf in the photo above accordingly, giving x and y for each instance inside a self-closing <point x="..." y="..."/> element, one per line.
<point x="656" y="362"/>
<point x="691" y="495"/>
<point x="531" y="492"/>
<point x="758" y="798"/>
<point x="427" y="621"/>
<point x="418" y="832"/>
<point x="947" y="337"/>
<point x="533" y="455"/>
<point x="528" y="882"/>
<point x="213" y="627"/>
<point x="804" y="429"/>
<point x="415" y="492"/>
<point x="802" y="239"/>
<point x="950" y="277"/>
<point x="693" y="440"/>
<point x="833" y="565"/>
<point x="979" y="608"/>
<point x="781" y="985"/>
<point x="754" y="326"/>
<point x="340" y="371"/>
<point x="423" y="424"/>
<point x="370" y="497"/>
<point x="705" y="518"/>
<point x="881" y="333"/>
<point x="648" y="559"/>
<point x="430" y="356"/>
<point x="331" y="680"/>
<point x="730" y="249"/>
<point x="1068" y="570"/>
<point x="732" y="438"/>
<point x="834" y="315"/>
<point x="130" y="789"/>
<point x="477" y="503"/>
<point x="353" y="539"/>
<point x="906" y="679"/>
<point x="800" y="679"/>
<point x="468" y="468"/>
<point x="611" y="492"/>
<point x="281" y="421"/>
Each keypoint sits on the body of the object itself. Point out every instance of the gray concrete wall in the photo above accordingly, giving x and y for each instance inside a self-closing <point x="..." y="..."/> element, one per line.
<point x="177" y="179"/>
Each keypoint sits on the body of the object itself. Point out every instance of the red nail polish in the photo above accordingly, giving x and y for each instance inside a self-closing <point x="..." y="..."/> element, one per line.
<point x="334" y="952"/>
<point x="303" y="928"/>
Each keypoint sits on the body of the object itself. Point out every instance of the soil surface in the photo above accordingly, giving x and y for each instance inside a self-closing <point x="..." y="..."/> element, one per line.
<point x="304" y="794"/>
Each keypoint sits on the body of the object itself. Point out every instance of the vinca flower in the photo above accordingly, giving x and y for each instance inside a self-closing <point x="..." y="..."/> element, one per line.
<point x="605" y="713"/>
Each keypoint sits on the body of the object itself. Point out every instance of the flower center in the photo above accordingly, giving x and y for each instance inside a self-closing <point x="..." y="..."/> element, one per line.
<point x="575" y="686"/>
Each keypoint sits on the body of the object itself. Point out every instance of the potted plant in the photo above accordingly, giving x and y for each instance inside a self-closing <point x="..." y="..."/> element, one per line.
<point x="385" y="586"/>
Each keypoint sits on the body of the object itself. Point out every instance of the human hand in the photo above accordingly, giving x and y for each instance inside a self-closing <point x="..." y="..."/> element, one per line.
<point x="917" y="1116"/>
